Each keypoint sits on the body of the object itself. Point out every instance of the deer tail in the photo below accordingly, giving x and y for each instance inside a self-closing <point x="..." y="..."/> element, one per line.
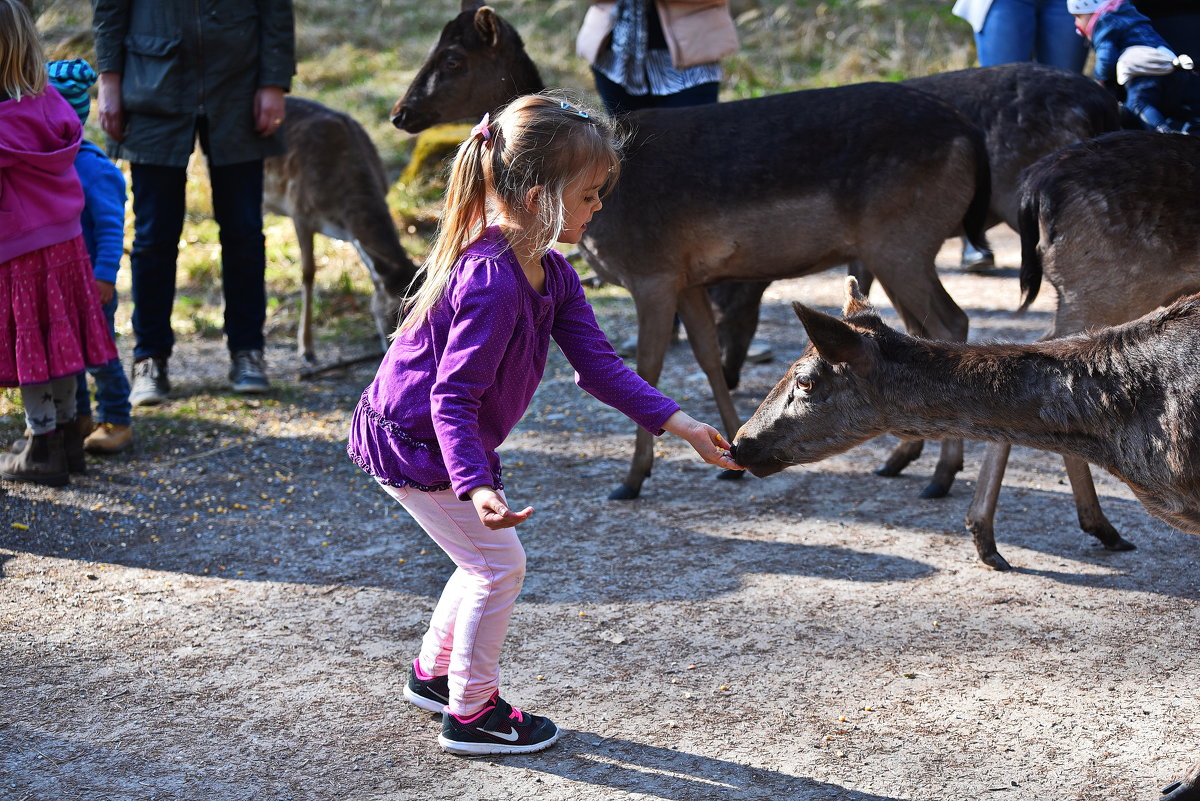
<point x="1031" y="259"/>
<point x="975" y="221"/>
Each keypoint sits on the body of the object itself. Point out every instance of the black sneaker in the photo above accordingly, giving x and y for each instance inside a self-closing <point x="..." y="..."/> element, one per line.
<point x="497" y="729"/>
<point x="248" y="374"/>
<point x="150" y="383"/>
<point x="432" y="694"/>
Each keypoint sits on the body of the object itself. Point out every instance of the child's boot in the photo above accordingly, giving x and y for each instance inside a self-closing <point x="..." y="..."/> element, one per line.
<point x="18" y="444"/>
<point x="108" y="438"/>
<point x="73" y="434"/>
<point x="42" y="461"/>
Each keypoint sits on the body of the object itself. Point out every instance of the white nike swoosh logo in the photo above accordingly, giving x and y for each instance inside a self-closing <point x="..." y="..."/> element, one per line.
<point x="509" y="736"/>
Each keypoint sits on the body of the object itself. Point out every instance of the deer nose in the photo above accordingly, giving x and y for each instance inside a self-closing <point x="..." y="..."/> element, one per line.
<point x="733" y="451"/>
<point x="399" y="116"/>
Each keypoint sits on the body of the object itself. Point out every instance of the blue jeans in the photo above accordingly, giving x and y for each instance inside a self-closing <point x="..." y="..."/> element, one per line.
<point x="1024" y="30"/>
<point x="618" y="101"/>
<point x="112" y="387"/>
<point x="158" y="209"/>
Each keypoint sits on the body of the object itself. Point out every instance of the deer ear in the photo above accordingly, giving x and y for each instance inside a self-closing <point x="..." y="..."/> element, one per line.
<point x="856" y="302"/>
<point x="487" y="25"/>
<point x="471" y="5"/>
<point x="833" y="339"/>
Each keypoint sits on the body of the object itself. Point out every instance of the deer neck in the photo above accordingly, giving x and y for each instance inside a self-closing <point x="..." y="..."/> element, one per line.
<point x="1052" y="397"/>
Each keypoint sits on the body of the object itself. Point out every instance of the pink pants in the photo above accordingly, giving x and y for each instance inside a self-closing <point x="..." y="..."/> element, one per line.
<point x="471" y="618"/>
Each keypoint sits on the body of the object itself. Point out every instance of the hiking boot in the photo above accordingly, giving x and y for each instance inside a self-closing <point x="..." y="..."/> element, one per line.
<point x="42" y="461"/>
<point x="85" y="423"/>
<point x="498" y="728"/>
<point x="247" y="375"/>
<point x="72" y="436"/>
<point x="432" y="693"/>
<point x="759" y="352"/>
<point x="150" y="383"/>
<point x="108" y="438"/>
<point x="975" y="260"/>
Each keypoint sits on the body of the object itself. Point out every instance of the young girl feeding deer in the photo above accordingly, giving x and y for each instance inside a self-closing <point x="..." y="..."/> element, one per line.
<point x="461" y="371"/>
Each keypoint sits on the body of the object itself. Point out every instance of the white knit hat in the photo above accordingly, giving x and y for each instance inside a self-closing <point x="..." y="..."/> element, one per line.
<point x="1084" y="6"/>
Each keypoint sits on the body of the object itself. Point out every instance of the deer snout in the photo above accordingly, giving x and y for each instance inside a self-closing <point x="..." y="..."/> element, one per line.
<point x="756" y="456"/>
<point x="399" y="115"/>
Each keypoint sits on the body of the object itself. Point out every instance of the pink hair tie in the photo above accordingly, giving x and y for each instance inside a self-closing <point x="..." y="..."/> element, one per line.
<point x="482" y="130"/>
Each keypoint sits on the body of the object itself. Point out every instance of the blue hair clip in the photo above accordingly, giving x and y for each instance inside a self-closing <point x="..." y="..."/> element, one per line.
<point x="565" y="106"/>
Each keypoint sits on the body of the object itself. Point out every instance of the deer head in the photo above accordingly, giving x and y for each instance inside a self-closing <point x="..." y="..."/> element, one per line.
<point x="478" y="64"/>
<point x="826" y="402"/>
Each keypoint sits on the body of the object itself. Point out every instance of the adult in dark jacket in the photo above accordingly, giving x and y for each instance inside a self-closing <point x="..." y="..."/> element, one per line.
<point x="173" y="72"/>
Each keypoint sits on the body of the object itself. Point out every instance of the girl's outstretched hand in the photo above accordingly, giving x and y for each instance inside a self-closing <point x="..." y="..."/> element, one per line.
<point x="494" y="512"/>
<point x="707" y="441"/>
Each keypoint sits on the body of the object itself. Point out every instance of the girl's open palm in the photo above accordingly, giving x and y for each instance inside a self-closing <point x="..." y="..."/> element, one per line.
<point x="494" y="512"/>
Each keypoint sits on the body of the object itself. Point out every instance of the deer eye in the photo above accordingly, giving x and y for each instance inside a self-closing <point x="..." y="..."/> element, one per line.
<point x="454" y="63"/>
<point x="804" y="385"/>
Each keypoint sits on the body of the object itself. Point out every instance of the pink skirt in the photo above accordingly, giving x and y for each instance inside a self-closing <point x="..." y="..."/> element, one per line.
<point x="51" y="323"/>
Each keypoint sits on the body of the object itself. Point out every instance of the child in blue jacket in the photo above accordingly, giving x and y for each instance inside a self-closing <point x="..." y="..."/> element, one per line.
<point x="103" y="222"/>
<point x="1114" y="26"/>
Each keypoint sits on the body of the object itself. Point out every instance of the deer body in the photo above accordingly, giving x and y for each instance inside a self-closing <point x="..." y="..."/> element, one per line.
<point x="1025" y="110"/>
<point x="756" y="189"/>
<point x="331" y="181"/>
<point x="1121" y="398"/>
<point x="1113" y="224"/>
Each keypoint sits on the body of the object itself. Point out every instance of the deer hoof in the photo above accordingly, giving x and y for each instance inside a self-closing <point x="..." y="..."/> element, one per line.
<point x="887" y="471"/>
<point x="1180" y="791"/>
<point x="996" y="562"/>
<point x="1120" y="544"/>
<point x="309" y="357"/>
<point x="1110" y="539"/>
<point x="624" y="493"/>
<point x="935" y="490"/>
<point x="731" y="475"/>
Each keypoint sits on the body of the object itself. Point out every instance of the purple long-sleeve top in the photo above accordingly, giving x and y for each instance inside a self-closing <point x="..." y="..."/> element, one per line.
<point x="450" y="389"/>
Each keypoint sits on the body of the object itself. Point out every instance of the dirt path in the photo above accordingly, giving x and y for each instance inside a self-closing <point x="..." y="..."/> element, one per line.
<point x="228" y="611"/>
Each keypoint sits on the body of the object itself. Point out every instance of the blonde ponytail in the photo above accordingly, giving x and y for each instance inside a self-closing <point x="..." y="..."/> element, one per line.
<point x="464" y="219"/>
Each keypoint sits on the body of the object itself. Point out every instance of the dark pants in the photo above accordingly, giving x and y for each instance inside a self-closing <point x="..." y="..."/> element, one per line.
<point x="158" y="208"/>
<point x="112" y="386"/>
<point x="617" y="101"/>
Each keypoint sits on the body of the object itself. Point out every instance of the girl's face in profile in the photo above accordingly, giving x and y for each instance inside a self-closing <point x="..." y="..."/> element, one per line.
<point x="581" y="200"/>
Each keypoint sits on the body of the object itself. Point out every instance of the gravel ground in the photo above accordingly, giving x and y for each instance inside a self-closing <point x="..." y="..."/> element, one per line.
<point x="227" y="611"/>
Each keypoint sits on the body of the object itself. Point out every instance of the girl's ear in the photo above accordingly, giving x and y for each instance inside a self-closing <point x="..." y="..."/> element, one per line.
<point x="533" y="199"/>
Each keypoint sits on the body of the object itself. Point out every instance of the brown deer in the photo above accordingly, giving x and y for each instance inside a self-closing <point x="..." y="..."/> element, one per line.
<point x="1126" y="398"/>
<point x="331" y="181"/>
<point x="1025" y="110"/>
<point x="1113" y="224"/>
<point x="757" y="189"/>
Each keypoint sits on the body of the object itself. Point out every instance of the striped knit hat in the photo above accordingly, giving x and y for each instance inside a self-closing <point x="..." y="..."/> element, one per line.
<point x="72" y="79"/>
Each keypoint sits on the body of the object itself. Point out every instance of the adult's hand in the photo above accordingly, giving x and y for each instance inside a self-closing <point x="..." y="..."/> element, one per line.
<point x="108" y="105"/>
<point x="268" y="110"/>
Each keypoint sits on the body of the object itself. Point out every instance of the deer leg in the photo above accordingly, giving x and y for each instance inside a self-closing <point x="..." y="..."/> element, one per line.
<point x="737" y="306"/>
<point x="865" y="278"/>
<point x="928" y="311"/>
<point x="982" y="512"/>
<point x="1087" y="506"/>
<point x="308" y="270"/>
<point x="697" y="314"/>
<point x="656" y="315"/>
<point x="901" y="456"/>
